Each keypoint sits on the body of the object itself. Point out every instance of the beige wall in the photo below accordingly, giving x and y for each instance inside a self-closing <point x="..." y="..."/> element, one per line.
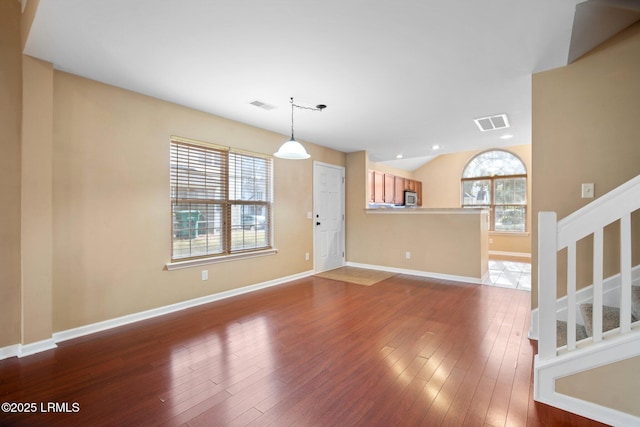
<point x="585" y="129"/>
<point x="37" y="200"/>
<point x="447" y="244"/>
<point x="111" y="207"/>
<point x="441" y="189"/>
<point x="613" y="387"/>
<point x="10" y="122"/>
<point x="28" y="15"/>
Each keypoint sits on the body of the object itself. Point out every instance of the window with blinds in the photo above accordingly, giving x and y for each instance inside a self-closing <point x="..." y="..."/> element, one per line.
<point x="221" y="200"/>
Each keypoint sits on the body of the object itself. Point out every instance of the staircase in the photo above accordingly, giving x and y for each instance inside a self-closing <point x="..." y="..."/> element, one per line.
<point x="610" y="319"/>
<point x="596" y="325"/>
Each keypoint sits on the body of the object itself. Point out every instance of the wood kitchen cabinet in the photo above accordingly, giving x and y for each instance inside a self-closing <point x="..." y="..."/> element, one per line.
<point x="398" y="195"/>
<point x="418" y="191"/>
<point x="377" y="186"/>
<point x="388" y="188"/>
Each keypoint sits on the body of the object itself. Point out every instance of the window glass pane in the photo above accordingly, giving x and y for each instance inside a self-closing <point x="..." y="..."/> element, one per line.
<point x="249" y="227"/>
<point x="485" y="173"/>
<point x="197" y="230"/>
<point x="476" y="192"/>
<point x="249" y="178"/>
<point x="510" y="191"/>
<point x="494" y="163"/>
<point x="510" y="218"/>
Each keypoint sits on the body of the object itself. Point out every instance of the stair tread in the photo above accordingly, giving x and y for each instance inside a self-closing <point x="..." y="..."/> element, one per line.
<point x="561" y="333"/>
<point x="610" y="317"/>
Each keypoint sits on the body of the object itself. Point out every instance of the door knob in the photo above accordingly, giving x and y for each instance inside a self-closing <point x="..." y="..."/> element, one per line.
<point x="317" y="223"/>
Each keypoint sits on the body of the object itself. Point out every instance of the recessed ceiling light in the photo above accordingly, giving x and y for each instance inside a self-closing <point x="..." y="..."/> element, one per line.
<point x="507" y="136"/>
<point x="435" y="147"/>
<point x="399" y="156"/>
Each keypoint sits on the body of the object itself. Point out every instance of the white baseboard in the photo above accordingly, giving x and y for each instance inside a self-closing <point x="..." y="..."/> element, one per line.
<point x="9" y="351"/>
<point x="36" y="347"/>
<point x="22" y="350"/>
<point x="511" y="254"/>
<point x="534" y="331"/>
<point x="420" y="273"/>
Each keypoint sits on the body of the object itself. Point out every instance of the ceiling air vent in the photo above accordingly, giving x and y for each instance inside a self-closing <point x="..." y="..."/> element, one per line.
<point x="263" y="105"/>
<point x="492" y="122"/>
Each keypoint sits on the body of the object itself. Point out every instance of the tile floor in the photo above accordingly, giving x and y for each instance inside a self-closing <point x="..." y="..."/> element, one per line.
<point x="509" y="274"/>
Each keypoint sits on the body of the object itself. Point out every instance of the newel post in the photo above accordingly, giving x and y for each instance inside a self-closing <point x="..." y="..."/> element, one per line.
<point x="547" y="286"/>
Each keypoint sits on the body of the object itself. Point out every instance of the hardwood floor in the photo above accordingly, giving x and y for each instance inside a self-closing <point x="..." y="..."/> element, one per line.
<point x="406" y="351"/>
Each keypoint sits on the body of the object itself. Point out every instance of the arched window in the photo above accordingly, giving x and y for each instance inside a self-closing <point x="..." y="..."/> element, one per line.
<point x="497" y="180"/>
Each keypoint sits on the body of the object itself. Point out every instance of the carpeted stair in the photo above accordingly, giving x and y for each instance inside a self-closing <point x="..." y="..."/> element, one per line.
<point x="561" y="333"/>
<point x="610" y="319"/>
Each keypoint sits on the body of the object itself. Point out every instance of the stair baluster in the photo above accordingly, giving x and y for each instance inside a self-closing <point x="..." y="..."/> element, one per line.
<point x="610" y="341"/>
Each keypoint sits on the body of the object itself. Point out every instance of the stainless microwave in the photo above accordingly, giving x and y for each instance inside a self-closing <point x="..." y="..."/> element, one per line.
<point x="410" y="198"/>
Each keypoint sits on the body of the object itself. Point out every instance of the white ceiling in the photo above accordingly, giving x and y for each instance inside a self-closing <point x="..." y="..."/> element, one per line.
<point x="397" y="77"/>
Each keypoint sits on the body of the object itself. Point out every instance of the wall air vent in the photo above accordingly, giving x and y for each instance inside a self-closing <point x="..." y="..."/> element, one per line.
<point x="492" y="122"/>
<point x="263" y="105"/>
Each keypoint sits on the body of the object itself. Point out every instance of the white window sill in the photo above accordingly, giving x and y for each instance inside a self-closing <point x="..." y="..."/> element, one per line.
<point x="510" y="233"/>
<point x="176" y="265"/>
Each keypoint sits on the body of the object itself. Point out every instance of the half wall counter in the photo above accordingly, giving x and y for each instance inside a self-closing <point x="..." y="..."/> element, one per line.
<point x="450" y="244"/>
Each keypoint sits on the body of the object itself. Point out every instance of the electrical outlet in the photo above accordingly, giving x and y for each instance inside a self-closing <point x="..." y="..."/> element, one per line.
<point x="407" y="255"/>
<point x="306" y="256"/>
<point x="205" y="274"/>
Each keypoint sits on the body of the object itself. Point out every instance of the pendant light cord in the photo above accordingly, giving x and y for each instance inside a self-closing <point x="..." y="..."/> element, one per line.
<point x="292" y="105"/>
<point x="319" y="107"/>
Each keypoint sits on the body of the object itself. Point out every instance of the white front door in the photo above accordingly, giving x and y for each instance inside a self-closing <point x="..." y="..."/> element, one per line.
<point x="328" y="216"/>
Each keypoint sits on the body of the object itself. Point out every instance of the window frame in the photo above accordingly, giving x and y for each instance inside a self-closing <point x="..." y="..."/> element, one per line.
<point x="212" y="192"/>
<point x="492" y="205"/>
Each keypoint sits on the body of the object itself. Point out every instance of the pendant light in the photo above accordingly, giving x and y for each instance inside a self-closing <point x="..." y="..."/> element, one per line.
<point x="292" y="149"/>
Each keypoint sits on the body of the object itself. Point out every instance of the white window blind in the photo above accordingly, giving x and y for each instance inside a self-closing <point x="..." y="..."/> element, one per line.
<point x="221" y="200"/>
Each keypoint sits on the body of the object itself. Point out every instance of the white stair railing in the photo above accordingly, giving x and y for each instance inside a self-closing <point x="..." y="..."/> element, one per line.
<point x="554" y="236"/>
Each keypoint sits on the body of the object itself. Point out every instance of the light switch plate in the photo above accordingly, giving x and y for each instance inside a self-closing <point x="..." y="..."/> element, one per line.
<point x="587" y="190"/>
